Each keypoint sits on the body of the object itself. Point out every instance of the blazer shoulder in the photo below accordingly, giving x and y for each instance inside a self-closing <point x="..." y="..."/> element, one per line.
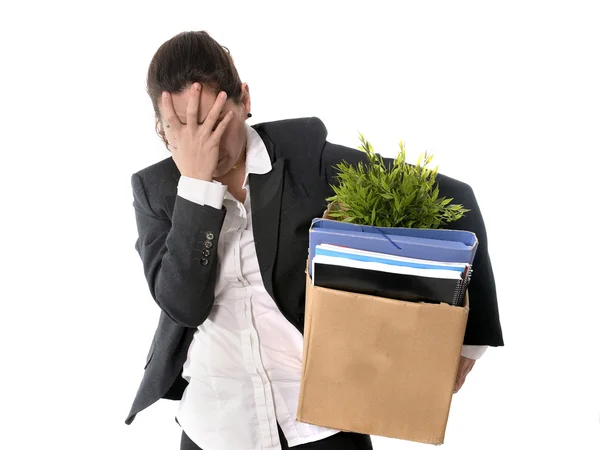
<point x="160" y="177"/>
<point x="309" y="133"/>
<point x="453" y="186"/>
<point x="283" y="125"/>
<point x="156" y="170"/>
<point x="154" y="182"/>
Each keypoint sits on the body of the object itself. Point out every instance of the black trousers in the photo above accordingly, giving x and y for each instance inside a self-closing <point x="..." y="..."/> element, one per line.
<point x="339" y="441"/>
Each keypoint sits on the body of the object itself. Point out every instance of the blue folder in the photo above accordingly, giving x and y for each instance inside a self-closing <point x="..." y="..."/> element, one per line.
<point x="423" y="243"/>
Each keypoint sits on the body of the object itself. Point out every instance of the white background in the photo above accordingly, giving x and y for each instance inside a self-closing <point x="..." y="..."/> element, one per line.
<point x="505" y="95"/>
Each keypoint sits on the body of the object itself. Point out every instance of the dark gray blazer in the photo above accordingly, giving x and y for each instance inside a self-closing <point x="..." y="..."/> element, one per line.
<point x="176" y="238"/>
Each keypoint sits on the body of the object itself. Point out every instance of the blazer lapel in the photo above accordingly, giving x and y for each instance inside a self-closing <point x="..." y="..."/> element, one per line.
<point x="265" y="200"/>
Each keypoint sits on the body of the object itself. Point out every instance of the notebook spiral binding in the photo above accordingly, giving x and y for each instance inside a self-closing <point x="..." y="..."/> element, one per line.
<point x="461" y="288"/>
<point x="457" y="291"/>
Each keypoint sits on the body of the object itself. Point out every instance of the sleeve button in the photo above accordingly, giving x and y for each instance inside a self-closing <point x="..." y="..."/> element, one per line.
<point x="204" y="261"/>
<point x="208" y="244"/>
<point x="210" y="236"/>
<point x="205" y="252"/>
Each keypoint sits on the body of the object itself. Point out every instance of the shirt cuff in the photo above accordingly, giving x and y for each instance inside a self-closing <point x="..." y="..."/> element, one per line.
<point x="202" y="192"/>
<point x="473" y="351"/>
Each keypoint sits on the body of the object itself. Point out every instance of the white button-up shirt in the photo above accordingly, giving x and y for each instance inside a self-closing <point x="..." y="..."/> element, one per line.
<point x="245" y="361"/>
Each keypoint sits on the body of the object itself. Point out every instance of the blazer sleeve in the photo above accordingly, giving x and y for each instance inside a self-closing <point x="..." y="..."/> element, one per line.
<point x="180" y="273"/>
<point x="483" y="325"/>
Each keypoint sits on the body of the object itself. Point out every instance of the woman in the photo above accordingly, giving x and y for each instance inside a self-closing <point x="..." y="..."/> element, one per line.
<point x="223" y="237"/>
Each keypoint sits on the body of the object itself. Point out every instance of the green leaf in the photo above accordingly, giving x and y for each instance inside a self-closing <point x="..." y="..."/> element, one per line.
<point x="400" y="195"/>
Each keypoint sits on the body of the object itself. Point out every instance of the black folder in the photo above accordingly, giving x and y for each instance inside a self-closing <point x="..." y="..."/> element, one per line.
<point x="389" y="285"/>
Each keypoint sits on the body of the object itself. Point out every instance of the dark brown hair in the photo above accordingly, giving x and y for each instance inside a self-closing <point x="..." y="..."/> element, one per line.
<point x="187" y="58"/>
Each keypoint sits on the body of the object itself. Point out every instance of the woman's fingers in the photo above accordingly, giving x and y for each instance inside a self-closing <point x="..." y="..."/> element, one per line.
<point x="169" y="135"/>
<point x="192" y="106"/>
<point x="173" y="122"/>
<point x="218" y="133"/>
<point x="213" y="114"/>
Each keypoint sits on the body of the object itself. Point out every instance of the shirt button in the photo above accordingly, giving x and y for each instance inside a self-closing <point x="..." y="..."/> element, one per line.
<point x="210" y="236"/>
<point x="208" y="244"/>
<point x="204" y="261"/>
<point x="205" y="252"/>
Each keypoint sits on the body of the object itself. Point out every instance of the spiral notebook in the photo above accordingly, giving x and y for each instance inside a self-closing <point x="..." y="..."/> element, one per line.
<point x="390" y="276"/>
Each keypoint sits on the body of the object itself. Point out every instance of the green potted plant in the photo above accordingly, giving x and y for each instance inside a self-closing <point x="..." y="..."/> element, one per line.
<point x="403" y="195"/>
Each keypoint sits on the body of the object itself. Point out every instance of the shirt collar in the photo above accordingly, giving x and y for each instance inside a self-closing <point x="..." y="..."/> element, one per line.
<point x="257" y="156"/>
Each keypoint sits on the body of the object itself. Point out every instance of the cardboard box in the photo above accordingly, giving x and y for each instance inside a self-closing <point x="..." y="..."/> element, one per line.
<point x="379" y="366"/>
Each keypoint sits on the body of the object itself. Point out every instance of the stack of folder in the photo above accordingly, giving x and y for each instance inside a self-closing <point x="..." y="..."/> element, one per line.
<point x="411" y="264"/>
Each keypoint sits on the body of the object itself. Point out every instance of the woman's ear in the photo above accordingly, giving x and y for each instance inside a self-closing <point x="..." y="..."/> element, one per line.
<point x="246" y="98"/>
